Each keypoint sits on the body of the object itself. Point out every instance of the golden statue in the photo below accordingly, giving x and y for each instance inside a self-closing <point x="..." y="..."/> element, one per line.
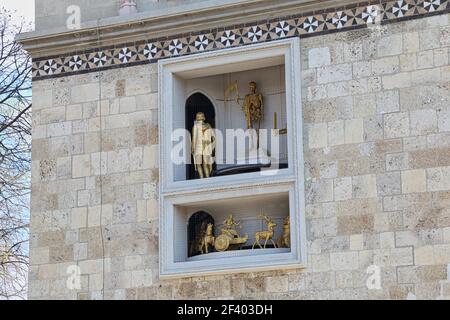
<point x="253" y="107"/>
<point x="284" y="241"/>
<point x="229" y="237"/>
<point x="229" y="226"/>
<point x="203" y="145"/>
<point x="208" y="238"/>
<point x="265" y="235"/>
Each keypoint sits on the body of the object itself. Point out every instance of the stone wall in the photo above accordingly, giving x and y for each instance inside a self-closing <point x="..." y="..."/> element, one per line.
<point x="376" y="110"/>
<point x="52" y="13"/>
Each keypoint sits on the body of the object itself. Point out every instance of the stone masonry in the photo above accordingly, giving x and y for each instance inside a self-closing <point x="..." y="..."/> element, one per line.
<point x="376" y="110"/>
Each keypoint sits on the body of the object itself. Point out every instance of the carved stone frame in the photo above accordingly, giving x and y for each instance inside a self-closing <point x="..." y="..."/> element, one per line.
<point x="289" y="180"/>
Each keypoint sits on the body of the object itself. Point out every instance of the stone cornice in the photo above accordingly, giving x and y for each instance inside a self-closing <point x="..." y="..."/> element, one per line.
<point x="166" y="22"/>
<point x="129" y="47"/>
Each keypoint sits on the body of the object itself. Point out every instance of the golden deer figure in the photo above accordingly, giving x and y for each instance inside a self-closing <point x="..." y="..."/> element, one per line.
<point x="265" y="235"/>
<point x="208" y="238"/>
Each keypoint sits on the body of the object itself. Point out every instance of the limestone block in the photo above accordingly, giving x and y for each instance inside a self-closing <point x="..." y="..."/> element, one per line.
<point x="334" y="73"/>
<point x="79" y="218"/>
<point x="423" y="121"/>
<point x="411" y="42"/>
<point x="353" y="51"/>
<point x="438" y="179"/>
<point x="387" y="240"/>
<point x="54" y="114"/>
<point x="343" y="189"/>
<point x="424" y="255"/>
<point x="398" y="80"/>
<point x="127" y="104"/>
<point x="80" y="251"/>
<point x="364" y="105"/>
<point x="408" y="62"/>
<point x="317" y="92"/>
<point x="344" y="260"/>
<point x="140" y="85"/>
<point x="393" y="257"/>
<point x="141" y="278"/>
<point x="373" y="128"/>
<point x="388" y="184"/>
<point x="277" y="284"/>
<point x="390" y="45"/>
<point x="446" y="234"/>
<point x="354" y="131"/>
<point x="95" y="282"/>
<point x="116" y="121"/>
<point x="442" y="253"/>
<point x="71" y="237"/>
<point x="94" y="216"/>
<point x="59" y="129"/>
<point x="396" y="125"/>
<point x="318" y="57"/>
<point x="142" y="210"/>
<point x="362" y="69"/>
<point x="81" y="166"/>
<point x="429" y="39"/>
<point x="443" y="119"/>
<point x="425" y="76"/>
<point x="84" y="93"/>
<point x="414" y="143"/>
<point x="364" y="186"/>
<point x="441" y="57"/>
<point x="39" y="256"/>
<point x="118" y="161"/>
<point x="152" y="210"/>
<point x="320" y="262"/>
<point x="336" y="133"/>
<point x="133" y="262"/>
<point x="42" y="99"/>
<point x="354" y="224"/>
<point x="91" y="109"/>
<point x="91" y="266"/>
<point x="425" y="59"/>
<point x="386" y="65"/>
<point x="319" y="191"/>
<point x="413" y="181"/>
<point x="388" y="101"/>
<point x="356" y="242"/>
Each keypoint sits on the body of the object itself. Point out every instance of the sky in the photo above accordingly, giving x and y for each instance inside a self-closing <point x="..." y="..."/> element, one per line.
<point x="24" y="8"/>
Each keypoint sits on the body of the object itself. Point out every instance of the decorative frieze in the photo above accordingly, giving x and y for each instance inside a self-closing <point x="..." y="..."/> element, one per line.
<point x="150" y="51"/>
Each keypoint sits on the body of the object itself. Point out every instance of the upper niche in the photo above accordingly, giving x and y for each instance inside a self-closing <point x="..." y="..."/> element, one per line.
<point x="222" y="99"/>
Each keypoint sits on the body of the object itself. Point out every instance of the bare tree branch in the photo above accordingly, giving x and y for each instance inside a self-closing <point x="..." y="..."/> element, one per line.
<point x="15" y="146"/>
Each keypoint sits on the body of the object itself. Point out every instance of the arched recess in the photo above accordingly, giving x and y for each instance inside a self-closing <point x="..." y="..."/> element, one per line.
<point x="198" y="102"/>
<point x="196" y="227"/>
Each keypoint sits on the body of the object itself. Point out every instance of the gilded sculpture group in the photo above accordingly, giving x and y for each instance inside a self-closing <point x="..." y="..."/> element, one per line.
<point x="229" y="237"/>
<point x="203" y="141"/>
<point x="203" y="146"/>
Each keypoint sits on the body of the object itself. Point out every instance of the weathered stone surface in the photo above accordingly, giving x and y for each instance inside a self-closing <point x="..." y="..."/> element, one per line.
<point x="375" y="108"/>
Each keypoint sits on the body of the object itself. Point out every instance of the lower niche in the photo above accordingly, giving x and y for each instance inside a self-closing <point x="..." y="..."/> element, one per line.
<point x="234" y="227"/>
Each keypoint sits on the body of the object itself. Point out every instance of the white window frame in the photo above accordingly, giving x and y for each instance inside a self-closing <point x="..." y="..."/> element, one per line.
<point x="287" y="180"/>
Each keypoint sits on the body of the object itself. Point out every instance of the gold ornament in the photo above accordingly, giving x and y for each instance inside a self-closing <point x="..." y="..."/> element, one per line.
<point x="284" y="241"/>
<point x="203" y="145"/>
<point x="265" y="235"/>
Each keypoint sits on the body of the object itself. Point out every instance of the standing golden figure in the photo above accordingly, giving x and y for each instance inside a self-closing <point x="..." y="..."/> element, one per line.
<point x="203" y="146"/>
<point x="229" y="236"/>
<point x="253" y="107"/>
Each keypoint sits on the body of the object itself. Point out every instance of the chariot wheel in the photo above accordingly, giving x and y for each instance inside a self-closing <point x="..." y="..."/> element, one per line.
<point x="222" y="243"/>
